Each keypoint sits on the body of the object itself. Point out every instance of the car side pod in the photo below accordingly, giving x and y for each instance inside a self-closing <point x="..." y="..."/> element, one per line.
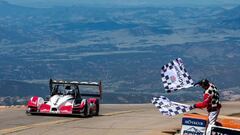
<point x="79" y="106"/>
<point x="34" y="103"/>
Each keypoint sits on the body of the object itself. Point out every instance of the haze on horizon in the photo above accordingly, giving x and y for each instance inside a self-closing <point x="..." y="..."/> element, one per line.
<point x="120" y="3"/>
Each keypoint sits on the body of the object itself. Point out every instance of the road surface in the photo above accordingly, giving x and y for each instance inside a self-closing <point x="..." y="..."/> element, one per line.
<point x="128" y="119"/>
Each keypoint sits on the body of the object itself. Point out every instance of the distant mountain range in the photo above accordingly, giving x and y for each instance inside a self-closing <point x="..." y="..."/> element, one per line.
<point x="125" y="47"/>
<point x="230" y="19"/>
<point x="18" y="88"/>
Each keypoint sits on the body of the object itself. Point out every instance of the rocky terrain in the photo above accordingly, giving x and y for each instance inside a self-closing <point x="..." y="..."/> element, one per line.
<point x="123" y="46"/>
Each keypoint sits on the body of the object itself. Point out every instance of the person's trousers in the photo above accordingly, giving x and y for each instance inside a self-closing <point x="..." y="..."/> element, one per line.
<point x="212" y="118"/>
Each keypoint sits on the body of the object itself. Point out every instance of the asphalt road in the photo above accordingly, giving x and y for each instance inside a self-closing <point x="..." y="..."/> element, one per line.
<point x="141" y="119"/>
<point x="113" y="119"/>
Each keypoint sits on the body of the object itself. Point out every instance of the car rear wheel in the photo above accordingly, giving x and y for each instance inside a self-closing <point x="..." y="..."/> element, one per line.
<point x="97" y="108"/>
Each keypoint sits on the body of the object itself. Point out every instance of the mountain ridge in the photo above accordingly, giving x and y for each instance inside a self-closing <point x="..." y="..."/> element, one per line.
<point x="123" y="47"/>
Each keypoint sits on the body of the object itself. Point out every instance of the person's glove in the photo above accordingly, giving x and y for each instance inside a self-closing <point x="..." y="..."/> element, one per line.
<point x="193" y="106"/>
<point x="196" y="84"/>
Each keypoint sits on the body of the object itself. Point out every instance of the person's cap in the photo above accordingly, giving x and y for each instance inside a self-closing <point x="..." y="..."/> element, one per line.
<point x="204" y="83"/>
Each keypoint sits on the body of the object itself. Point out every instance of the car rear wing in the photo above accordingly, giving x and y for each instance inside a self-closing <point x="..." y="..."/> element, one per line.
<point x="97" y="84"/>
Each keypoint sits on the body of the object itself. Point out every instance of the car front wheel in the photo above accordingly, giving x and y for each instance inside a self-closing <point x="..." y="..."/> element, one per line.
<point x="86" y="110"/>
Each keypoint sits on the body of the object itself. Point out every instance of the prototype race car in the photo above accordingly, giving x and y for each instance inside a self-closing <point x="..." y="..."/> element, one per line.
<point x="65" y="98"/>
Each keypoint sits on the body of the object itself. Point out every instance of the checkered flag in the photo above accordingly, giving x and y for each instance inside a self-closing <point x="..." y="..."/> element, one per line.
<point x="175" y="76"/>
<point x="169" y="108"/>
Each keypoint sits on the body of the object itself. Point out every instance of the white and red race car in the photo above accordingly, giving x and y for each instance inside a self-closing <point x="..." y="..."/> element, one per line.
<point x="65" y="98"/>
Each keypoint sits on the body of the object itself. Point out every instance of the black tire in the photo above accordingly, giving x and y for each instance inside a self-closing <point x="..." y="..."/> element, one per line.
<point x="28" y="113"/>
<point x="30" y="110"/>
<point x="97" y="108"/>
<point x="86" y="112"/>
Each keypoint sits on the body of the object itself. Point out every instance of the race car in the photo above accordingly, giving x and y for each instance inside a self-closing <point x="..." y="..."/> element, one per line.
<point x="65" y="98"/>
